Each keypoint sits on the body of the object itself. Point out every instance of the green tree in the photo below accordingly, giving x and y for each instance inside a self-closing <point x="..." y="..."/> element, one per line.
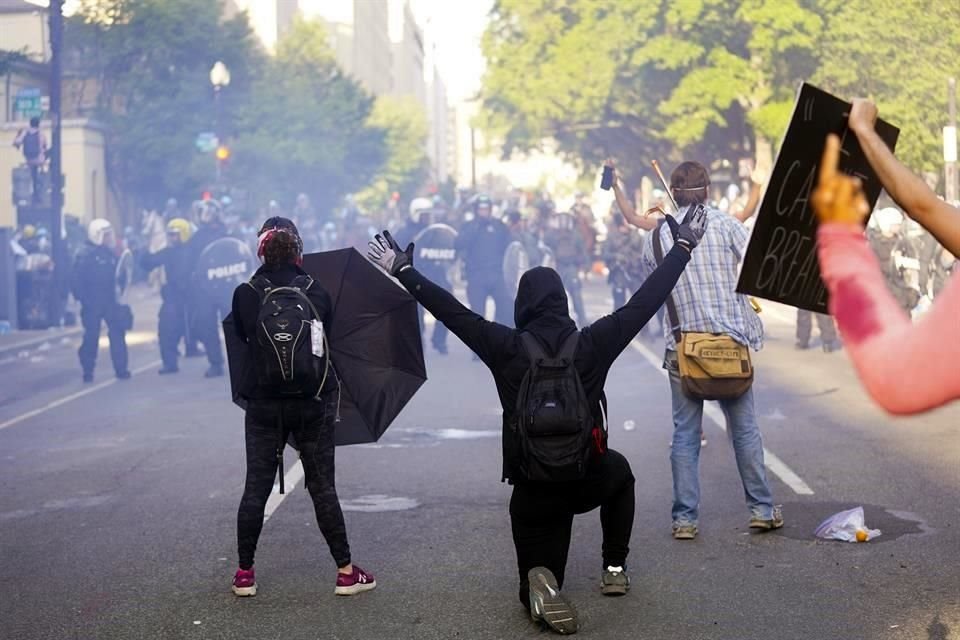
<point x="141" y="68"/>
<point x="406" y="166"/>
<point x="900" y="53"/>
<point x="305" y="127"/>
<point x="707" y="79"/>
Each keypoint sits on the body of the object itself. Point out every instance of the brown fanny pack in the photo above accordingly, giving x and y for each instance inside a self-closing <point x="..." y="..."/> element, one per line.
<point x="713" y="366"/>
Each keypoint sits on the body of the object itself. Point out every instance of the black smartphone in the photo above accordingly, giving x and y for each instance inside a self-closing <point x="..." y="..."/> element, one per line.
<point x="606" y="182"/>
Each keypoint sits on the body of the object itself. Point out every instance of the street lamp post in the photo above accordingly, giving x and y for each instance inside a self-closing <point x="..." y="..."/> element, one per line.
<point x="56" y="159"/>
<point x="219" y="78"/>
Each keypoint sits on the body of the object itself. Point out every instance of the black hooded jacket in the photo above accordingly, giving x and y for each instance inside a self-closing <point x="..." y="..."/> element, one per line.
<point x="541" y="309"/>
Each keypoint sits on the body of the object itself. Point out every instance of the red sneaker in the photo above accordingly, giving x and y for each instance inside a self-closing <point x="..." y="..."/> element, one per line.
<point x="244" y="583"/>
<point x="353" y="583"/>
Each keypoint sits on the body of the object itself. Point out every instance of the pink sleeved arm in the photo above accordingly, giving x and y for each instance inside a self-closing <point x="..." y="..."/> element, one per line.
<point x="907" y="368"/>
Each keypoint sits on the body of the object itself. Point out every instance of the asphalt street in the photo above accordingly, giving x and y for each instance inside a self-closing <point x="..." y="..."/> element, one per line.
<point x="118" y="511"/>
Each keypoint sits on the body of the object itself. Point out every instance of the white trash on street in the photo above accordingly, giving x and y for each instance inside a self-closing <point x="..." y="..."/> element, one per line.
<point x="847" y="526"/>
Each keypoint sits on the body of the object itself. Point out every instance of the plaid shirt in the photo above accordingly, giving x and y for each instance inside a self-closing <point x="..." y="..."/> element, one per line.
<point x="705" y="295"/>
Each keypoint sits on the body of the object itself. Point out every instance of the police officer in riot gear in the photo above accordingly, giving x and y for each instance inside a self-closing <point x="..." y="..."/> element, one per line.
<point x="481" y="245"/>
<point x="176" y="263"/>
<point x="203" y="311"/>
<point x="95" y="284"/>
<point x="571" y="253"/>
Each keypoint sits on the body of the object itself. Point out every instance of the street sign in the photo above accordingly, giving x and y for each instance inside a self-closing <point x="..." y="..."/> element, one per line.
<point x="781" y="261"/>
<point x="30" y="103"/>
<point x="207" y="141"/>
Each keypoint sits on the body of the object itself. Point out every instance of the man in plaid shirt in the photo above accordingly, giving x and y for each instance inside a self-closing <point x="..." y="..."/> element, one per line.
<point x="706" y="301"/>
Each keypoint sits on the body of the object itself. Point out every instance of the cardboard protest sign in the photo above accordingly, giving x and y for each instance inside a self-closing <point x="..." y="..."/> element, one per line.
<point x="781" y="259"/>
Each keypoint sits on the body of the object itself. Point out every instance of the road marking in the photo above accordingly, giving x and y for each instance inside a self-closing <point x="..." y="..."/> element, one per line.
<point x="73" y="396"/>
<point x="290" y="480"/>
<point x="776" y="466"/>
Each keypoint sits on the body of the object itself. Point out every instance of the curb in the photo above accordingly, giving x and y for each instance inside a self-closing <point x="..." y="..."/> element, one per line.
<point x="8" y="350"/>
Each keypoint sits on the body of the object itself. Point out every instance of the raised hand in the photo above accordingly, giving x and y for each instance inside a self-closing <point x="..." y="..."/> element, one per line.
<point x="838" y="197"/>
<point x="689" y="234"/>
<point x="386" y="253"/>
<point x="863" y="115"/>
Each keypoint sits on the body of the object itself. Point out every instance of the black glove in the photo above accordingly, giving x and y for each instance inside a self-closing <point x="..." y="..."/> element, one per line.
<point x="688" y="234"/>
<point x="385" y="252"/>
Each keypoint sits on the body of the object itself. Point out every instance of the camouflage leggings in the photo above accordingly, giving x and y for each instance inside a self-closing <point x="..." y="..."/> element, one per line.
<point x="311" y="424"/>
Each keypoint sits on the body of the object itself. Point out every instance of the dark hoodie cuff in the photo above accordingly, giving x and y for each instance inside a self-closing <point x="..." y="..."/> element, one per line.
<point x="409" y="277"/>
<point x="680" y="252"/>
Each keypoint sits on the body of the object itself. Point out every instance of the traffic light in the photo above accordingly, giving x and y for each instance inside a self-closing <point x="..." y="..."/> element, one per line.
<point x="223" y="153"/>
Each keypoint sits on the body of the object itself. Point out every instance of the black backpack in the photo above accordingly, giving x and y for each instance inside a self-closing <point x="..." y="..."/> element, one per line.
<point x="286" y="366"/>
<point x="554" y="420"/>
<point x="31" y="145"/>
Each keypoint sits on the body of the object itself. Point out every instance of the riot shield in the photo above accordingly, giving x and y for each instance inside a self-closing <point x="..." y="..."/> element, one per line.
<point x="223" y="264"/>
<point x="124" y="275"/>
<point x="435" y="250"/>
<point x="516" y="261"/>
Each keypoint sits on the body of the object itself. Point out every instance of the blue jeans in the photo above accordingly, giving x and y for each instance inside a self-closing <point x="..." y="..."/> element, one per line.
<point x="744" y="433"/>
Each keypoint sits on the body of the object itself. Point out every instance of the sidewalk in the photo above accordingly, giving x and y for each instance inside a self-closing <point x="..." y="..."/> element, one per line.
<point x="142" y="299"/>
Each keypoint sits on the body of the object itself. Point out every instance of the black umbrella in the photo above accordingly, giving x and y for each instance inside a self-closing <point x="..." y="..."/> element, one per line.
<point x="374" y="341"/>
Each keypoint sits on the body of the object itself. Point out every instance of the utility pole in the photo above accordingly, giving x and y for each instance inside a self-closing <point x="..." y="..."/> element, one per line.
<point x="950" y="144"/>
<point x="56" y="158"/>
<point x="473" y="159"/>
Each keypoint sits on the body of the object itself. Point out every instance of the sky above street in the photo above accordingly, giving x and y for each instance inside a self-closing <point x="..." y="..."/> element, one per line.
<point x="455" y="28"/>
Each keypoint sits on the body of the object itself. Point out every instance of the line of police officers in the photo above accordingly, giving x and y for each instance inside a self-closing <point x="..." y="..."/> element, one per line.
<point x="100" y="278"/>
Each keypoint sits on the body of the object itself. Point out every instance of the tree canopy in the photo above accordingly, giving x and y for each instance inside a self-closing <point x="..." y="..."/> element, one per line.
<point x="710" y="79"/>
<point x="294" y="122"/>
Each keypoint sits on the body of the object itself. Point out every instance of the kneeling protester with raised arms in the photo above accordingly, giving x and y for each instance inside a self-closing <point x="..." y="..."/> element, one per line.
<point x="550" y="379"/>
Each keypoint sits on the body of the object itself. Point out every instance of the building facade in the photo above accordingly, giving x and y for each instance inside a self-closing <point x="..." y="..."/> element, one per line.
<point x="83" y="158"/>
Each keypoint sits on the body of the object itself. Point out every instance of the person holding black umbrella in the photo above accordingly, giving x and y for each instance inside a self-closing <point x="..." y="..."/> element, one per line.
<point x="280" y="314"/>
<point x="544" y="501"/>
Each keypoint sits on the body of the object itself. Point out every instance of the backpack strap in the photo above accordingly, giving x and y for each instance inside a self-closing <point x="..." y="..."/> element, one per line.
<point x="261" y="284"/>
<point x="569" y="347"/>
<point x="532" y="347"/>
<point x="303" y="282"/>
<point x="671" y="305"/>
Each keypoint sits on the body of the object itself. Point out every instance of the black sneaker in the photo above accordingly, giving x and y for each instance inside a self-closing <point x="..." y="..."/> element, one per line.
<point x="87" y="378"/>
<point x="215" y="371"/>
<point x="548" y="605"/>
<point x="123" y="375"/>
<point x="165" y="371"/>
<point x="614" y="582"/>
<point x="802" y="345"/>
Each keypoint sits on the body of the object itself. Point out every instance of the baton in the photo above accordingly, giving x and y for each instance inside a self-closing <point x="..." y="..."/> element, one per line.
<point x="666" y="187"/>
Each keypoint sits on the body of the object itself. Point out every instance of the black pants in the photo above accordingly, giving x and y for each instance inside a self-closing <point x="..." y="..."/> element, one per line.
<point x="171" y="327"/>
<point x="311" y="423"/>
<point x="619" y="296"/>
<point x="478" y="290"/>
<point x="205" y="328"/>
<point x="92" y="319"/>
<point x="542" y="516"/>
<point x="828" y="332"/>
